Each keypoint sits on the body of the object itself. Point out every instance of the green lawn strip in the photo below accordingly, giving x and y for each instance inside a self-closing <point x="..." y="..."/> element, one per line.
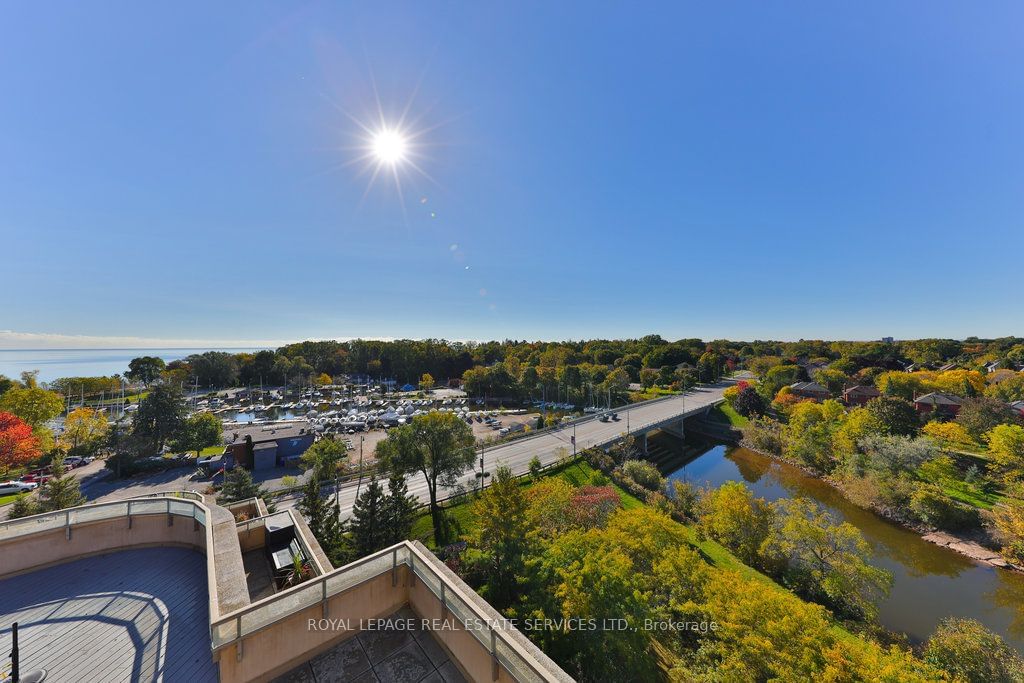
<point x="726" y="414"/>
<point x="4" y="500"/>
<point x="965" y="494"/>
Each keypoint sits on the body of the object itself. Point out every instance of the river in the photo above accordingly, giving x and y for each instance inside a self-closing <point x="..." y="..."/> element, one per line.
<point x="929" y="582"/>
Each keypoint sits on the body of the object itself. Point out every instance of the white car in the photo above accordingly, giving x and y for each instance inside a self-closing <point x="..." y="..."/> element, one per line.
<point x="9" y="487"/>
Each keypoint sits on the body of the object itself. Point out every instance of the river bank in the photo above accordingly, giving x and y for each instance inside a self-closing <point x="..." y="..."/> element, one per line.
<point x="964" y="545"/>
<point x="931" y="582"/>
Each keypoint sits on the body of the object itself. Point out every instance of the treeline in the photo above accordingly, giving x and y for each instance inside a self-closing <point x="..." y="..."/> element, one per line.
<point x="498" y="367"/>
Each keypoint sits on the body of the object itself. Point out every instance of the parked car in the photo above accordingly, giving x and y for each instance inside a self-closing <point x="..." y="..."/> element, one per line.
<point x="73" y="461"/>
<point x="603" y="418"/>
<point x="9" y="487"/>
<point x="615" y="416"/>
<point x="35" y="478"/>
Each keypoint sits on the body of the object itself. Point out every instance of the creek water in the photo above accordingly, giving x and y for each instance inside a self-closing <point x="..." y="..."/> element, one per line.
<point x="929" y="582"/>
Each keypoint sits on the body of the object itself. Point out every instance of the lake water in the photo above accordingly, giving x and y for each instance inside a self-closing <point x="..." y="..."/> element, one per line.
<point x="929" y="582"/>
<point x="54" y="363"/>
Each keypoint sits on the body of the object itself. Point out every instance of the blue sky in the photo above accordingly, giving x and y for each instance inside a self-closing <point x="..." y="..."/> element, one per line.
<point x="745" y="170"/>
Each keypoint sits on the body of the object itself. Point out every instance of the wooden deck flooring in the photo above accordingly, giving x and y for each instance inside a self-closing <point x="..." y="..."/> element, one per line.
<point x="135" y="615"/>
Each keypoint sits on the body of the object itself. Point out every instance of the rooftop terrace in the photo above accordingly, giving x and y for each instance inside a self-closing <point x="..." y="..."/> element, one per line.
<point x="134" y="615"/>
<point x="121" y="591"/>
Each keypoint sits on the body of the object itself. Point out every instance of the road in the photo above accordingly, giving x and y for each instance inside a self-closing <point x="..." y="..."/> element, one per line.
<point x="549" y="446"/>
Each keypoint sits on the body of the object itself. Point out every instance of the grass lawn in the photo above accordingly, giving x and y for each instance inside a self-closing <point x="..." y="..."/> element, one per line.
<point x="970" y="495"/>
<point x="4" y="500"/>
<point x="726" y="414"/>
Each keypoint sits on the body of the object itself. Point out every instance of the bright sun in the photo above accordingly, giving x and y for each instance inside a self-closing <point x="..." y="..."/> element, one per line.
<point x="389" y="146"/>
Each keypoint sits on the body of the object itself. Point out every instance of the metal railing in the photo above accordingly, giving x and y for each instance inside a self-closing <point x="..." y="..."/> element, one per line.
<point x="188" y="495"/>
<point x="233" y="628"/>
<point x="182" y="506"/>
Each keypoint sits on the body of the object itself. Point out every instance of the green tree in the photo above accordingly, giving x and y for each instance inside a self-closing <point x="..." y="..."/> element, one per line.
<point x="35" y="406"/>
<point x="899" y="384"/>
<point x="832" y="379"/>
<point x="61" y="490"/>
<point x="1009" y="521"/>
<point x="732" y="516"/>
<point x="501" y="536"/>
<point x="25" y="505"/>
<point x="399" y="511"/>
<point x="160" y="416"/>
<point x="145" y="369"/>
<point x="426" y="382"/>
<point x="586" y="577"/>
<point x="776" y="377"/>
<point x="536" y="468"/>
<point x="324" y="457"/>
<point x="197" y="432"/>
<point x="368" y="524"/>
<point x="894" y="416"/>
<point x="126" y="448"/>
<point x="323" y="515"/>
<point x="826" y="561"/>
<point x="980" y="415"/>
<point x="893" y="455"/>
<point x="440" y="446"/>
<point x="1006" y="446"/>
<point x="84" y="431"/>
<point x="239" y="485"/>
<point x="969" y="652"/>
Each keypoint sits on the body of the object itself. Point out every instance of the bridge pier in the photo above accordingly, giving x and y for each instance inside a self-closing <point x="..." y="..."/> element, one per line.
<point x="676" y="429"/>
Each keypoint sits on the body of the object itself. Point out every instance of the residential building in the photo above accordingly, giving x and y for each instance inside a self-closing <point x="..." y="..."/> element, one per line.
<point x="811" y="390"/>
<point x="262" y="446"/>
<point x="938" y="403"/>
<point x="860" y="394"/>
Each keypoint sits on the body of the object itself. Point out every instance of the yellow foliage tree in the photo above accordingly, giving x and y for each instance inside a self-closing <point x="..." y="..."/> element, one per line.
<point x="949" y="434"/>
<point x="959" y="382"/>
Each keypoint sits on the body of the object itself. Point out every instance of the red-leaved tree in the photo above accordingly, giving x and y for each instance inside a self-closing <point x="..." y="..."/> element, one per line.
<point x="590" y="506"/>
<point x="18" y="444"/>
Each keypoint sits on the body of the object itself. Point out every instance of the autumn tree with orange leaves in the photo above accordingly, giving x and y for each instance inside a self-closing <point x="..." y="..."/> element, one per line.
<point x="18" y="444"/>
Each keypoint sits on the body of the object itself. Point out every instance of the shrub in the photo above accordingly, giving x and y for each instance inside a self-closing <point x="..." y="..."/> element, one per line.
<point x="590" y="506"/>
<point x="685" y="497"/>
<point x="535" y="467"/>
<point x="599" y="479"/>
<point x="749" y="403"/>
<point x="930" y="505"/>
<point x="599" y="460"/>
<point x="763" y="434"/>
<point x="643" y="473"/>
<point x="970" y="652"/>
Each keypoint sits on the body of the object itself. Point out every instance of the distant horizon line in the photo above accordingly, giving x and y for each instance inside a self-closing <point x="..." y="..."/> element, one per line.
<point x="137" y="348"/>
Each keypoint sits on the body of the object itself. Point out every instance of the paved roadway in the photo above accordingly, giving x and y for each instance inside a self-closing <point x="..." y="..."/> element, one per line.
<point x="549" y="446"/>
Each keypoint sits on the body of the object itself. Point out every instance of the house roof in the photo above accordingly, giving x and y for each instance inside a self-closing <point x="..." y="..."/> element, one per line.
<point x="937" y="398"/>
<point x="811" y="387"/>
<point x="266" y="432"/>
<point x="863" y="390"/>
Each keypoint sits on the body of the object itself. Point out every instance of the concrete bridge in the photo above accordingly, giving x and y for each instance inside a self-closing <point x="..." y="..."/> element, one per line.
<point x="550" y="445"/>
